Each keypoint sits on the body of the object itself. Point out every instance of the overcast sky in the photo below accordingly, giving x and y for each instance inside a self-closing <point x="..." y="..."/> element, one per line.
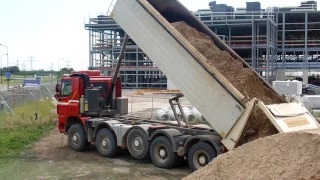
<point x="51" y="30"/>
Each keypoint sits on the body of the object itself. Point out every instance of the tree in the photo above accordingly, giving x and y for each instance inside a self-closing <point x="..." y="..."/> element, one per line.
<point x="66" y="70"/>
<point x="12" y="69"/>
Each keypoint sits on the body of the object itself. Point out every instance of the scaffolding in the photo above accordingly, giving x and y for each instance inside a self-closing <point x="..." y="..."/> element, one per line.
<point x="253" y="35"/>
<point x="299" y="43"/>
<point x="268" y="40"/>
<point x="137" y="70"/>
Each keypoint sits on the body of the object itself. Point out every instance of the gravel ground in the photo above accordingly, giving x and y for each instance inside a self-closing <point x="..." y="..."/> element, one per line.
<point x="51" y="158"/>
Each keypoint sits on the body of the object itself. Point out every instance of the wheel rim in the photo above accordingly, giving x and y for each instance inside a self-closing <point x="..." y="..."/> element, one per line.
<point x="161" y="153"/>
<point x="75" y="138"/>
<point x="105" y="142"/>
<point x="137" y="143"/>
<point x="200" y="159"/>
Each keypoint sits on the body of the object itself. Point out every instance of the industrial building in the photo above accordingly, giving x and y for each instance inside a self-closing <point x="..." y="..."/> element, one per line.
<point x="273" y="41"/>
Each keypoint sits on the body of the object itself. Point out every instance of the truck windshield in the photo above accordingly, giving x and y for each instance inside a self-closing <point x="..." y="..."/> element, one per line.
<point x="66" y="88"/>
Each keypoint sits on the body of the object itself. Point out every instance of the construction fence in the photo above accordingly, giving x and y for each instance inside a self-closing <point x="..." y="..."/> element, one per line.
<point x="15" y="97"/>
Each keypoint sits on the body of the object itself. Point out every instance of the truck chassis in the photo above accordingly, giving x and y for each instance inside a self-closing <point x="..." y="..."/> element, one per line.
<point x="166" y="143"/>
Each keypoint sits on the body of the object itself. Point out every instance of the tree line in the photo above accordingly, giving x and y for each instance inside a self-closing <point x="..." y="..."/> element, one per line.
<point x="16" y="70"/>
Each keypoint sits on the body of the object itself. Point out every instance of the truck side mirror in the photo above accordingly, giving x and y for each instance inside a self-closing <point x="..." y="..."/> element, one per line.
<point x="57" y="88"/>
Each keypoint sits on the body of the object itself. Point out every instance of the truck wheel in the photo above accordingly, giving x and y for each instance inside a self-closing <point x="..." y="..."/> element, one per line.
<point x="200" y="155"/>
<point x="106" y="143"/>
<point x="138" y="145"/>
<point x="77" y="138"/>
<point x="161" y="153"/>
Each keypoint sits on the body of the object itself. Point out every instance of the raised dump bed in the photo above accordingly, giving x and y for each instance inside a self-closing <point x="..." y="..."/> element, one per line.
<point x="233" y="98"/>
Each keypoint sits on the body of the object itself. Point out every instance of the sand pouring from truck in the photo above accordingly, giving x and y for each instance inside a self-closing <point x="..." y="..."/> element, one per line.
<point x="238" y="103"/>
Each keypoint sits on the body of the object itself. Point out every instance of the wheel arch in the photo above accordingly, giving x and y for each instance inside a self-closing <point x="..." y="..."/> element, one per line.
<point x="125" y="136"/>
<point x="73" y="120"/>
<point x="168" y="133"/>
<point x="100" y="126"/>
<point x="213" y="140"/>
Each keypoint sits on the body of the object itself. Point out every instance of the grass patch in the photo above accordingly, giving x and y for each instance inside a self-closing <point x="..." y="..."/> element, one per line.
<point x="47" y="79"/>
<point x="16" y="80"/>
<point x="25" y="114"/>
<point x="14" y="140"/>
<point x="17" y="132"/>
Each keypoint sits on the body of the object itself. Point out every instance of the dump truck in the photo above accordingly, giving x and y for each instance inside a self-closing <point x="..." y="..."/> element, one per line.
<point x="91" y="113"/>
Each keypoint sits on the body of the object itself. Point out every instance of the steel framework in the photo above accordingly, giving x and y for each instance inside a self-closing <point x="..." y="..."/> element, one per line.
<point x="267" y="40"/>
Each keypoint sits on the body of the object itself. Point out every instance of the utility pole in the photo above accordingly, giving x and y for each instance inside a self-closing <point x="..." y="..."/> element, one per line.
<point x="18" y="63"/>
<point x="7" y="60"/>
<point x="51" y="66"/>
<point x="68" y="64"/>
<point x="31" y="59"/>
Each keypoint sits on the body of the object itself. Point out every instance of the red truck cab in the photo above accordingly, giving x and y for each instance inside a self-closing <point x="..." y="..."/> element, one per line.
<point x="69" y="91"/>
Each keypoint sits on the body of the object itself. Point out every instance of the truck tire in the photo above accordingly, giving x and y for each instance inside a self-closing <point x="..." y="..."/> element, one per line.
<point x="161" y="153"/>
<point x="77" y="138"/>
<point x="138" y="144"/>
<point x="106" y="143"/>
<point x="200" y="155"/>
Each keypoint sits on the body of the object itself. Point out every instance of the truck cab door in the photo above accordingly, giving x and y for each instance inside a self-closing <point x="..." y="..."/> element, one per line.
<point x="65" y="107"/>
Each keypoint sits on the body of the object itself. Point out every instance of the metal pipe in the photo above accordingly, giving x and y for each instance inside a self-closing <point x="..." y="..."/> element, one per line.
<point x="7" y="54"/>
<point x="116" y="72"/>
<point x="253" y="50"/>
<point x="283" y="39"/>
<point x="125" y="41"/>
<point x="268" y="51"/>
<point x="7" y="60"/>
<point x="1" y="66"/>
<point x="174" y="112"/>
<point x="306" y="40"/>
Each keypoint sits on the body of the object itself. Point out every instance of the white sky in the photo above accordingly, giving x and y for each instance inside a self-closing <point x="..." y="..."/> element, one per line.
<point x="54" y="29"/>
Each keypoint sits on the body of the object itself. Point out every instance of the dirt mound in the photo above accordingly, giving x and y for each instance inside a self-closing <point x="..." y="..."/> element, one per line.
<point x="240" y="77"/>
<point x="55" y="146"/>
<point x="282" y="156"/>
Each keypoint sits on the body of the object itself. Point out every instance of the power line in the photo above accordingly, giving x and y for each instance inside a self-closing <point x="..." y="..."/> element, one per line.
<point x="31" y="59"/>
<point x="68" y="64"/>
<point x="51" y="66"/>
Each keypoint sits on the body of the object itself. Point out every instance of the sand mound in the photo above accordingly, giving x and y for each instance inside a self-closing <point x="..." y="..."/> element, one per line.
<point x="282" y="156"/>
<point x="240" y="77"/>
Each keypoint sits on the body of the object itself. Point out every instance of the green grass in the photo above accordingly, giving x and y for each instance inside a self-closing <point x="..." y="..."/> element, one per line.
<point x="47" y="79"/>
<point x="18" y="132"/>
<point x="14" y="140"/>
<point x="25" y="114"/>
<point x="15" y="82"/>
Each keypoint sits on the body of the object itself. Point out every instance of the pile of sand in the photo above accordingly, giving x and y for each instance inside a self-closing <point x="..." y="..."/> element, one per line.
<point x="282" y="156"/>
<point x="243" y="79"/>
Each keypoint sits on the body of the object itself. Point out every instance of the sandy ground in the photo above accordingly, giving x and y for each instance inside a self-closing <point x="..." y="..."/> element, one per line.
<point x="52" y="155"/>
<point x="51" y="158"/>
<point x="293" y="156"/>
